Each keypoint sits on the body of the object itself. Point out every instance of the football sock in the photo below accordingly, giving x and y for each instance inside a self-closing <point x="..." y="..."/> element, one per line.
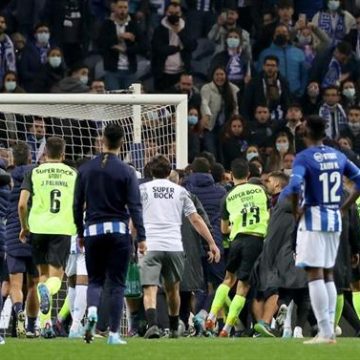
<point x="339" y="308"/>
<point x="134" y="320"/>
<point x="236" y="306"/>
<point x="173" y="322"/>
<point x="219" y="300"/>
<point x="92" y="311"/>
<point x="356" y="302"/>
<point x="79" y="305"/>
<point x="64" y="311"/>
<point x="31" y="324"/>
<point x="320" y="304"/>
<point x="17" y="307"/>
<point x="53" y="284"/>
<point x="151" y="317"/>
<point x="116" y="307"/>
<point x="332" y="295"/>
<point x="71" y="294"/>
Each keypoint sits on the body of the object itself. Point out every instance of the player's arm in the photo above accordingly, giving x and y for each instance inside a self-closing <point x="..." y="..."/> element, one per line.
<point x="353" y="173"/>
<point x="23" y="214"/>
<point x="224" y="223"/>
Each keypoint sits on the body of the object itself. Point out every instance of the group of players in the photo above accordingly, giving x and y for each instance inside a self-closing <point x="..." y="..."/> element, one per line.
<point x="47" y="203"/>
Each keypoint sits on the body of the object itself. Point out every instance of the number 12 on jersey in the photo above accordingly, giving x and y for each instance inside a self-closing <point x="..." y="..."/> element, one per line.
<point x="331" y="183"/>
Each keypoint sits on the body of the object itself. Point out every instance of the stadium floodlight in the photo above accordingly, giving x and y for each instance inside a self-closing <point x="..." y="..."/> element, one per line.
<point x="153" y="123"/>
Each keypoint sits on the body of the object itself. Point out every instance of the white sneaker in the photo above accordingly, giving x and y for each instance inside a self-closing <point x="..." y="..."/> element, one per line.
<point x="298" y="332"/>
<point x="317" y="340"/>
<point x="287" y="333"/>
<point x="281" y="316"/>
<point x="338" y="330"/>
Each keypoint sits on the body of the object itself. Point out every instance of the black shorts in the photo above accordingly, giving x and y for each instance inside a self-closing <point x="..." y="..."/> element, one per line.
<point x="244" y="250"/>
<point x="4" y="273"/>
<point x="21" y="265"/>
<point x="50" y="249"/>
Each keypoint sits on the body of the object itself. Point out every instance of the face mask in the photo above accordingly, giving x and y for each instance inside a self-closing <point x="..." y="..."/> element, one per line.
<point x="354" y="127"/>
<point x="173" y="19"/>
<point x="251" y="155"/>
<point x="282" y="147"/>
<point x="42" y="37"/>
<point x="349" y="93"/>
<point x="333" y="5"/>
<point x="287" y="172"/>
<point x="313" y="92"/>
<point x="232" y="43"/>
<point x="304" y="40"/>
<point x="10" y="86"/>
<point x="192" y="119"/>
<point x="55" y="61"/>
<point x="84" y="79"/>
<point x="280" y="40"/>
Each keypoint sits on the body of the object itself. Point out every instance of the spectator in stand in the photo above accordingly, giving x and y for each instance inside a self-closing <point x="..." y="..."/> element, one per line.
<point x="311" y="100"/>
<point x="285" y="12"/>
<point x="282" y="145"/>
<point x="36" y="140"/>
<point x="260" y="130"/>
<point x="186" y="86"/>
<point x="252" y="153"/>
<point x="120" y="41"/>
<point x="219" y="103"/>
<point x="291" y="60"/>
<point x="293" y="120"/>
<point x="334" y="21"/>
<point x="334" y="66"/>
<point x="353" y="130"/>
<point x="311" y="40"/>
<point x="97" y="87"/>
<point x="172" y="46"/>
<point x="19" y="42"/>
<point x="233" y="142"/>
<point x="76" y="82"/>
<point x="11" y="84"/>
<point x="353" y="37"/>
<point x="70" y="27"/>
<point x="7" y="53"/>
<point x="268" y="87"/>
<point x="34" y="55"/>
<point x="332" y="111"/>
<point x="345" y="143"/>
<point x="193" y="133"/>
<point x="349" y="94"/>
<point x="50" y="73"/>
<point x="288" y="163"/>
<point x="227" y="21"/>
<point x="234" y="59"/>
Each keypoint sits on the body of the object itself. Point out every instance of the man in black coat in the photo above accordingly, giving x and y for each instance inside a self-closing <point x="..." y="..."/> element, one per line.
<point x="120" y="41"/>
<point x="172" y="46"/>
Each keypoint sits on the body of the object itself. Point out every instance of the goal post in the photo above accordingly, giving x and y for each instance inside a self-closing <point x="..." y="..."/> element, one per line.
<point x="158" y="120"/>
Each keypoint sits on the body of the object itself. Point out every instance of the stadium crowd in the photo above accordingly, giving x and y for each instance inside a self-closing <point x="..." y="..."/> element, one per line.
<point x="253" y="72"/>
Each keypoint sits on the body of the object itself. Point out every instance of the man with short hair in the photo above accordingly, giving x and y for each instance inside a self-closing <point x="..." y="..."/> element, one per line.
<point x="49" y="222"/>
<point x="164" y="203"/>
<point x="35" y="138"/>
<point x="353" y="130"/>
<point x="97" y="87"/>
<point x="186" y="86"/>
<point x="76" y="82"/>
<point x="18" y="255"/>
<point x="108" y="190"/>
<point x="245" y="217"/>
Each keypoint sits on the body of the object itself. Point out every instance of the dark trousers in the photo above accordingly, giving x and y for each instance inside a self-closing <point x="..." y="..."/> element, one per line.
<point x="107" y="257"/>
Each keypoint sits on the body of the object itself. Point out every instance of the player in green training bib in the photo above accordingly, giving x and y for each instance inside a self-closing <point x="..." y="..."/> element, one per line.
<point x="245" y="217"/>
<point x="49" y="222"/>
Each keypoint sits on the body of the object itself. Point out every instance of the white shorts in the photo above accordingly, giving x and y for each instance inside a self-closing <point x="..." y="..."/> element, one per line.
<point x="316" y="248"/>
<point x="76" y="265"/>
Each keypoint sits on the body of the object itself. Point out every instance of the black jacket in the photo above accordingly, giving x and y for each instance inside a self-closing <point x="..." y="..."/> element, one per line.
<point x="47" y="78"/>
<point x="108" y="38"/>
<point x="161" y="49"/>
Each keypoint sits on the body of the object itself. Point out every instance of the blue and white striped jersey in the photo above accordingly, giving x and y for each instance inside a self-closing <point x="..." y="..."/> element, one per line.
<point x="317" y="176"/>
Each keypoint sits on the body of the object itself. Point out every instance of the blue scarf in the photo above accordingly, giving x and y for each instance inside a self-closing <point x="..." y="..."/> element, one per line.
<point x="325" y="23"/>
<point x="332" y="76"/>
<point x="7" y="57"/>
<point x="335" y="123"/>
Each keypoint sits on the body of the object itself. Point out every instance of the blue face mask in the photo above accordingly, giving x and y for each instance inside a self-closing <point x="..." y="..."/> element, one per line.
<point x="232" y="43"/>
<point x="192" y="119"/>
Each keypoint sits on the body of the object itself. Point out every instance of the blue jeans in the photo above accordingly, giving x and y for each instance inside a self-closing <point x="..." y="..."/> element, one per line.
<point x="116" y="80"/>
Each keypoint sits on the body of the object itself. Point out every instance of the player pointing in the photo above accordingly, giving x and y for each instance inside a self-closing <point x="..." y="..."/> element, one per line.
<point x="319" y="171"/>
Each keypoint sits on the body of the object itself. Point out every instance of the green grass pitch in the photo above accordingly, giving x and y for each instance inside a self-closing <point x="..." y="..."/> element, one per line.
<point x="187" y="349"/>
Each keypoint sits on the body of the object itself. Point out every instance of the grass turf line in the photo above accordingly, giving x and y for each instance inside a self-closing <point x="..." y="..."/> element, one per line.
<point x="189" y="349"/>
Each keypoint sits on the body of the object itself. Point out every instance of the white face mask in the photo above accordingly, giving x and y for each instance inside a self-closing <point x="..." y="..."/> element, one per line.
<point x="333" y="5"/>
<point x="282" y="147"/>
<point x="84" y="79"/>
<point x="10" y="86"/>
<point x="287" y="172"/>
<point x="251" y="155"/>
<point x="349" y="93"/>
<point x="54" y="61"/>
<point x="42" y="37"/>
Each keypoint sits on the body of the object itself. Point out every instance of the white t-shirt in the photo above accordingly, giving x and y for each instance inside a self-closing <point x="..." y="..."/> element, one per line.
<point x="164" y="203"/>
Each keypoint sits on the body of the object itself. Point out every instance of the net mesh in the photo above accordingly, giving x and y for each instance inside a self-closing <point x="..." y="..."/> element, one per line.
<point x="81" y="127"/>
